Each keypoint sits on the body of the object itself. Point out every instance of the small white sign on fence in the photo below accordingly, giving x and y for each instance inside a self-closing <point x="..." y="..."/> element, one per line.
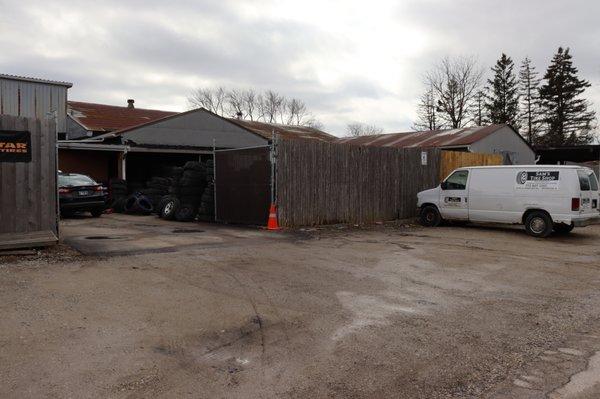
<point x="424" y="158"/>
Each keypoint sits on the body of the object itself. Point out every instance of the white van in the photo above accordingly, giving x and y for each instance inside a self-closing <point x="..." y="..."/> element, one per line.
<point x="542" y="197"/>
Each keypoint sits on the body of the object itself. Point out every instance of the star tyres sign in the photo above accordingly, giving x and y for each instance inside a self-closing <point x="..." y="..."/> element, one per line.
<point x="15" y="146"/>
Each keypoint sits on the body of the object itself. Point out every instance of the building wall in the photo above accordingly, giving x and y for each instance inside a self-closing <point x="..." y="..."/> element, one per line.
<point x="194" y="129"/>
<point x="75" y="130"/>
<point x="506" y="140"/>
<point x="100" y="165"/>
<point x="33" y="99"/>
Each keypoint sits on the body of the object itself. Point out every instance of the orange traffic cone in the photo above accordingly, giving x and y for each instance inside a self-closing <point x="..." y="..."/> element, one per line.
<point x="272" y="224"/>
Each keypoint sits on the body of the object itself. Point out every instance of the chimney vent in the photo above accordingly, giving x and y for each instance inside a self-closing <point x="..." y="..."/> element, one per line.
<point x="130" y="103"/>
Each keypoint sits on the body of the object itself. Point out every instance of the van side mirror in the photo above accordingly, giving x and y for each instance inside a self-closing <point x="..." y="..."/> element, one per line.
<point x="444" y="185"/>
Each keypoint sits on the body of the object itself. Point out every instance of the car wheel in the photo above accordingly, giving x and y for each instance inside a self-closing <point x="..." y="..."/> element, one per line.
<point x="561" y="228"/>
<point x="97" y="212"/>
<point x="538" y="224"/>
<point x="430" y="216"/>
<point x="170" y="209"/>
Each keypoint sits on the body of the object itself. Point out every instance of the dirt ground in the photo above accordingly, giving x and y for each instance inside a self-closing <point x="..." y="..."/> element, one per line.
<point x="152" y="309"/>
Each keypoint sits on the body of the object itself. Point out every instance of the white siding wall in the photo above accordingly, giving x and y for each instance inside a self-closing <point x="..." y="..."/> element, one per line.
<point x="506" y="139"/>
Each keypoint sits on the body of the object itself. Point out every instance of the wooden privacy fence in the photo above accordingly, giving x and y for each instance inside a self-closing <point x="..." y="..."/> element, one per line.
<point x="451" y="160"/>
<point x="321" y="183"/>
<point x="28" y="214"/>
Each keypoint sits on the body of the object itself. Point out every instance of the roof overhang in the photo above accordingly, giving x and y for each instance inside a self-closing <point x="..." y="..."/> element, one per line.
<point x="35" y="80"/>
<point x="88" y="146"/>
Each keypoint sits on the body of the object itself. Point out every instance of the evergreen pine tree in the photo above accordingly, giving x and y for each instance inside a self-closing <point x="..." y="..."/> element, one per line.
<point x="503" y="99"/>
<point x="530" y="105"/>
<point x="567" y="117"/>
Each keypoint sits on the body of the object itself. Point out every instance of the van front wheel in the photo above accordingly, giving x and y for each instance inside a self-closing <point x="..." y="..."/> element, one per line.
<point x="538" y="224"/>
<point x="430" y="216"/>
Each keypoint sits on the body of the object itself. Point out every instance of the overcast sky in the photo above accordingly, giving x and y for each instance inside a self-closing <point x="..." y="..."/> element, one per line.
<point x="348" y="60"/>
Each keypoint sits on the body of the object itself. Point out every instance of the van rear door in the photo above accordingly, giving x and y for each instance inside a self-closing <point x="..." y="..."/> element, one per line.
<point x="588" y="184"/>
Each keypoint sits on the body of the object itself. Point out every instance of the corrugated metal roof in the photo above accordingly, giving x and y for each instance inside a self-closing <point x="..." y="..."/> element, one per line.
<point x="35" y="80"/>
<point x="110" y="118"/>
<point x="286" y="131"/>
<point x="426" y="139"/>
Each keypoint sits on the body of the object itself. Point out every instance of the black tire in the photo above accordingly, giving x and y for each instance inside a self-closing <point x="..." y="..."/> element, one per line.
<point x="191" y="191"/>
<point x="161" y="203"/>
<point x="130" y="205"/>
<point x="144" y="204"/>
<point x="189" y="182"/>
<point x="96" y="213"/>
<point x="189" y="199"/>
<point x="561" y="228"/>
<point x="538" y="224"/>
<point x="118" y="204"/>
<point x="66" y="214"/>
<point x="185" y="213"/>
<point x="430" y="216"/>
<point x="169" y="209"/>
<point x="194" y="174"/>
<point x="193" y="165"/>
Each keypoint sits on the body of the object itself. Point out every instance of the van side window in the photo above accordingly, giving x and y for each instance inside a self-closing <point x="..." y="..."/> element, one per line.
<point x="584" y="181"/>
<point x="457" y="180"/>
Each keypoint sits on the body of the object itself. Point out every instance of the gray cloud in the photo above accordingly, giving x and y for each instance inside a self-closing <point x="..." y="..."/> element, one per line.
<point x="157" y="52"/>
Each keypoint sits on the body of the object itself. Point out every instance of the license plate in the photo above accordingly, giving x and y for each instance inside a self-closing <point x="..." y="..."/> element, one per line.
<point x="82" y="193"/>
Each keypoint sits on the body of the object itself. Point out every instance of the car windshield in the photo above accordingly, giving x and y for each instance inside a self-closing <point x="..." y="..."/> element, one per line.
<point x="72" y="180"/>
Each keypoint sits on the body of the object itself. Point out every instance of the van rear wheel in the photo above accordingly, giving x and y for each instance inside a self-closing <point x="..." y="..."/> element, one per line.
<point x="538" y="224"/>
<point x="430" y="216"/>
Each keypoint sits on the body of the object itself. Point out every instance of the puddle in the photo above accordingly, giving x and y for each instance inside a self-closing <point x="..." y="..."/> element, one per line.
<point x="183" y="231"/>
<point x="104" y="237"/>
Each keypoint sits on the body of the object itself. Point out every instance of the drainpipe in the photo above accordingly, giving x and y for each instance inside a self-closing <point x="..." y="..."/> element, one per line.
<point x="124" y="163"/>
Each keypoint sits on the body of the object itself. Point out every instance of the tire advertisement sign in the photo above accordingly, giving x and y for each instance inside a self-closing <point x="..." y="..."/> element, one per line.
<point x="15" y="146"/>
<point x="538" y="180"/>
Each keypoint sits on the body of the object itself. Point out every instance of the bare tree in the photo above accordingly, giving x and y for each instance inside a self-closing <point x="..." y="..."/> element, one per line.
<point x="202" y="98"/>
<point x="479" y="114"/>
<point x="454" y="82"/>
<point x="296" y="111"/>
<point x="356" y="129"/>
<point x="270" y="106"/>
<point x="313" y="123"/>
<point x="427" y="118"/>
<point x="210" y="99"/>
<point x="235" y="103"/>
<point x="249" y="99"/>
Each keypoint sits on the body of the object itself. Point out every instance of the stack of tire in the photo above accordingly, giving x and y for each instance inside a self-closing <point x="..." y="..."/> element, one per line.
<point x="207" y="201"/>
<point x="158" y="187"/>
<point x="184" y="194"/>
<point x="117" y="189"/>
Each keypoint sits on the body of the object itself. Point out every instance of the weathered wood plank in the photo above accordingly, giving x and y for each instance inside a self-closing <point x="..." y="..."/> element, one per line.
<point x="28" y="190"/>
<point x="320" y="183"/>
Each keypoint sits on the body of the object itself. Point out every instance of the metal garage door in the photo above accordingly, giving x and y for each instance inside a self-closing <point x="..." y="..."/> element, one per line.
<point x="243" y="185"/>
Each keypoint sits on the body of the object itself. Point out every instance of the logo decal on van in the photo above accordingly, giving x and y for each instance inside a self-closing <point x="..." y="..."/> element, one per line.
<point x="542" y="180"/>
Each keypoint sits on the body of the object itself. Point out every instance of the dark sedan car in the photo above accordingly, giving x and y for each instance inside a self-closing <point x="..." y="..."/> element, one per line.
<point x="80" y="193"/>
